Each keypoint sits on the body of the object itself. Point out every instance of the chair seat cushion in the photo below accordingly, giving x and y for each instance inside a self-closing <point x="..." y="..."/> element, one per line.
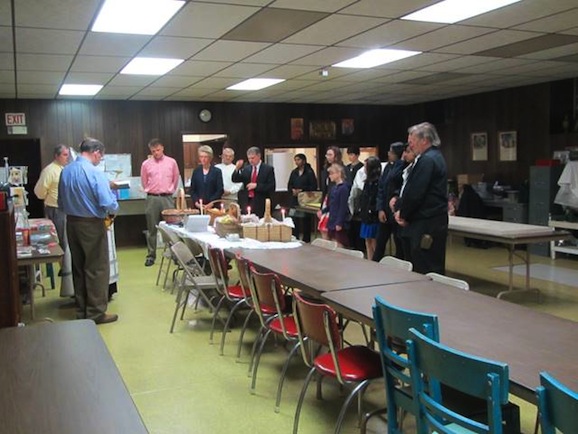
<point x="357" y="363"/>
<point x="290" y="325"/>
<point x="236" y="291"/>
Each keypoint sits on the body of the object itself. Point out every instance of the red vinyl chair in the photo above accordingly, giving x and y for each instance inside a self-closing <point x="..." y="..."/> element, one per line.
<point x="273" y="307"/>
<point x="355" y="365"/>
<point x="236" y="295"/>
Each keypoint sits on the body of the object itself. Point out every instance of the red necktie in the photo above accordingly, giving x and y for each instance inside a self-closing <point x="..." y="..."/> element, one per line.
<point x="253" y="181"/>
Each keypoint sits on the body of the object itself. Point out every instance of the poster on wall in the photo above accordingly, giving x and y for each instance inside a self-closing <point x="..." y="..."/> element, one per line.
<point x="479" y="143"/>
<point x="347" y="127"/>
<point x="296" y="128"/>
<point x="322" y="130"/>
<point x="507" y="140"/>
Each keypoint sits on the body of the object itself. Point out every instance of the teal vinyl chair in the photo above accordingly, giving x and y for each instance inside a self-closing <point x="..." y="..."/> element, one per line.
<point x="433" y="364"/>
<point x="392" y="325"/>
<point x="557" y="406"/>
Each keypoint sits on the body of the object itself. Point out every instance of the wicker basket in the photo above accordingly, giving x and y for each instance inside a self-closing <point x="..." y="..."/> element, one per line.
<point x="224" y="229"/>
<point x="268" y="232"/>
<point x="177" y="216"/>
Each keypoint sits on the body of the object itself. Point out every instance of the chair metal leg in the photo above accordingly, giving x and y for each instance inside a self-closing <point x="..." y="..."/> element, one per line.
<point x="358" y="389"/>
<point x="178" y="305"/>
<point x="160" y="267"/>
<point x="167" y="273"/>
<point x="215" y="314"/>
<point x="367" y="416"/>
<point x="184" y="302"/>
<point x="260" y="334"/>
<point x="245" y="325"/>
<point x="257" y="360"/>
<point x="227" y="325"/>
<point x="301" y="398"/>
<point x="284" y="373"/>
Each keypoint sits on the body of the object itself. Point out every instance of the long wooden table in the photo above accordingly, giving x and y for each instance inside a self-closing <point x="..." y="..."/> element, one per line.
<point x="510" y="235"/>
<point x="315" y="270"/>
<point x="527" y="340"/>
<point x="60" y="378"/>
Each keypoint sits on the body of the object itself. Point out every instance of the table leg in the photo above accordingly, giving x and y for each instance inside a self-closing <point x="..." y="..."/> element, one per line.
<point x="31" y="279"/>
<point x="526" y="259"/>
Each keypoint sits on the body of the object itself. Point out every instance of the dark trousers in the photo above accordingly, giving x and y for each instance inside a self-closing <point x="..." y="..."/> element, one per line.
<point x="90" y="265"/>
<point x="384" y="233"/>
<point x="59" y="220"/>
<point x="425" y="260"/>
<point x="153" y="208"/>
<point x="302" y="227"/>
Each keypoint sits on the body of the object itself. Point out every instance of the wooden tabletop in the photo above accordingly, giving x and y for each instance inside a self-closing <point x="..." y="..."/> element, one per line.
<point x="60" y="378"/>
<point x="54" y="255"/>
<point x="316" y="270"/>
<point x="527" y="340"/>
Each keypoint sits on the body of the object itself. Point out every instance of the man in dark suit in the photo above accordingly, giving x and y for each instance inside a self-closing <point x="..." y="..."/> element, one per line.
<point x="258" y="178"/>
<point x="422" y="208"/>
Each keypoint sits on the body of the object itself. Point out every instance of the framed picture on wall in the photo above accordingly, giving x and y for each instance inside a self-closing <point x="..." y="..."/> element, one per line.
<point x="508" y="142"/>
<point x="479" y="142"/>
<point x="322" y="130"/>
<point x="296" y="128"/>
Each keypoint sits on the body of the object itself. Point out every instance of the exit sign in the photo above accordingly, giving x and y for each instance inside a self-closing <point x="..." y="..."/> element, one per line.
<point x="15" y="119"/>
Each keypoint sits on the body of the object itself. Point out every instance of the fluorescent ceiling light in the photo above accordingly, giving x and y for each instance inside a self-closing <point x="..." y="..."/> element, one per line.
<point x="139" y="17"/>
<point x="80" y="89"/>
<point x="372" y="58"/>
<point x="150" y="66"/>
<point x="452" y="11"/>
<point x="255" y="84"/>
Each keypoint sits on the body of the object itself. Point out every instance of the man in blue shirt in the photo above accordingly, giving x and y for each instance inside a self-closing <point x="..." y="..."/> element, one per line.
<point x="85" y="196"/>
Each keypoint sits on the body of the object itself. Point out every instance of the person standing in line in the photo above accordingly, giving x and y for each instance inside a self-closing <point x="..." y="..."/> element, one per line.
<point x="159" y="176"/>
<point x="231" y="189"/>
<point x="46" y="189"/>
<point x="368" y="205"/>
<point x="422" y="208"/>
<point x="84" y="195"/>
<point x="354" y="165"/>
<point x="389" y="183"/>
<point x="332" y="156"/>
<point x="338" y="222"/>
<point x="258" y="178"/>
<point x="206" y="181"/>
<point x="302" y="178"/>
<point x="352" y="169"/>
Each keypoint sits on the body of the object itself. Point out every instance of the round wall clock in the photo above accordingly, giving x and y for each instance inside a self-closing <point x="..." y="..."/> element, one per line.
<point x="205" y="115"/>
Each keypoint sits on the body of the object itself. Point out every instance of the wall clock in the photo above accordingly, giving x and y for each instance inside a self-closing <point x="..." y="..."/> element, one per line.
<point x="205" y="115"/>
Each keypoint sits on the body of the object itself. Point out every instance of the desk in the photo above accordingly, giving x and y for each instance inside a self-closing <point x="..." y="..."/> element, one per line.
<point x="315" y="270"/>
<point x="60" y="378"/>
<point x="527" y="340"/>
<point x="509" y="234"/>
<point x="54" y="255"/>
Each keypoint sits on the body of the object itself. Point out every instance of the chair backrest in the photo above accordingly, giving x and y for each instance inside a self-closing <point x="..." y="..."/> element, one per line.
<point x="392" y="325"/>
<point x="243" y="266"/>
<point x="355" y="253"/>
<point x="317" y="323"/>
<point x="187" y="261"/>
<point x="219" y="265"/>
<point x="168" y="236"/>
<point x="195" y="248"/>
<point x="396" y="262"/>
<point x="458" y="283"/>
<point x="268" y="297"/>
<point x="557" y="406"/>
<point x="326" y="244"/>
<point x="434" y="363"/>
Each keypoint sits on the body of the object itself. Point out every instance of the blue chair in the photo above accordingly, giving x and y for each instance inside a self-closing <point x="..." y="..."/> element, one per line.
<point x="433" y="364"/>
<point x="557" y="406"/>
<point x="392" y="326"/>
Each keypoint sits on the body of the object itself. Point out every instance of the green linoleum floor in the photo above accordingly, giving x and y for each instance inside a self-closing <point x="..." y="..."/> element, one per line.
<point x="181" y="384"/>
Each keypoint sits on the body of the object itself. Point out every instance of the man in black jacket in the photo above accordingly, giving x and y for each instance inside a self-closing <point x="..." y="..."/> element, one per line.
<point x="258" y="178"/>
<point x="422" y="209"/>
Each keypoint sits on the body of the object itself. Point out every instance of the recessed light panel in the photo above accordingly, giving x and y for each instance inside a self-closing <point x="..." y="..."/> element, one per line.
<point x="80" y="89"/>
<point x="138" y="17"/>
<point x="452" y="11"/>
<point x="255" y="84"/>
<point x="150" y="66"/>
<point x="373" y="58"/>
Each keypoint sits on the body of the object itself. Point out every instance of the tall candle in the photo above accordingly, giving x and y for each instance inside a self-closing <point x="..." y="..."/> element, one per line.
<point x="282" y="214"/>
<point x="222" y="207"/>
<point x="201" y="205"/>
<point x="248" y="210"/>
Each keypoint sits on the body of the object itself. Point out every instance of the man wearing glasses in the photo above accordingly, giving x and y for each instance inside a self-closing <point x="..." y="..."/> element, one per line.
<point x="85" y="196"/>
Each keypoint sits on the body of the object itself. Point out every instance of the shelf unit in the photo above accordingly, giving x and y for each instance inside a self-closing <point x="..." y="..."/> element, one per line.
<point x="560" y="224"/>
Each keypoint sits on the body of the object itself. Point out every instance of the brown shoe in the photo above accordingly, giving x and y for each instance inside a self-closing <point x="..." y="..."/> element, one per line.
<point x="106" y="318"/>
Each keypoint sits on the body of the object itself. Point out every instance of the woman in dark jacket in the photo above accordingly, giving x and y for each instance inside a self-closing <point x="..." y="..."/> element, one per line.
<point x="368" y="205"/>
<point x="338" y="221"/>
<point x="302" y="178"/>
<point x="207" y="180"/>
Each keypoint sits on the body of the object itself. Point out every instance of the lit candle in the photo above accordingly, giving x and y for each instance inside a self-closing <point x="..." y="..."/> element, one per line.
<point x="222" y="206"/>
<point x="201" y="205"/>
<point x="282" y="214"/>
<point x="248" y="210"/>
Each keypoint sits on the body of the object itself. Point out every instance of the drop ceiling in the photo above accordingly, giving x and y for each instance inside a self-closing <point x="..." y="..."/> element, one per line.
<point x="46" y="43"/>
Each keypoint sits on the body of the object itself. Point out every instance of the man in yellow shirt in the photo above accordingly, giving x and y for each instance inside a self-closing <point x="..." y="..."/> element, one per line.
<point x="46" y="189"/>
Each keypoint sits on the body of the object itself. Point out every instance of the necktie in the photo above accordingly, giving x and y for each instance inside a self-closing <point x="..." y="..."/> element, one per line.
<point x="253" y="180"/>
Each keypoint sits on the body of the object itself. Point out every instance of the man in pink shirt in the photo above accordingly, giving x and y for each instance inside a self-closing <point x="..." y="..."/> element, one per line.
<point x="159" y="176"/>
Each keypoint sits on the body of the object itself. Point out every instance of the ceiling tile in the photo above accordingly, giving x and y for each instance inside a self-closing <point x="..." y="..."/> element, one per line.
<point x="160" y="92"/>
<point x="205" y="20"/>
<point x="43" y="62"/>
<point x="388" y="34"/>
<point x="229" y="51"/>
<point x="554" y="53"/>
<point x="531" y="45"/>
<point x="457" y="63"/>
<point x="108" y="64"/>
<point x="120" y="92"/>
<point x="488" y="41"/>
<point x="244" y="70"/>
<point x="215" y="83"/>
<point x="328" y="56"/>
<point x="241" y="2"/>
<point x="112" y="44"/>
<point x="495" y="65"/>
<point x="173" y="47"/>
<point x="282" y="53"/>
<point x="273" y="25"/>
<point x="334" y="28"/>
<point x="389" y="9"/>
<point x="40" y="77"/>
<point x="132" y="80"/>
<point x="6" y="77"/>
<point x="290" y="71"/>
<point x="325" y="5"/>
<point x="5" y="13"/>
<point x="198" y="68"/>
<point x="88" y="78"/>
<point x="43" y="41"/>
<point x="444" y="36"/>
<point x="175" y="81"/>
<point x="7" y="61"/>
<point x="38" y="88"/>
<point x="6" y="39"/>
<point x="55" y="14"/>
<point x="553" y="23"/>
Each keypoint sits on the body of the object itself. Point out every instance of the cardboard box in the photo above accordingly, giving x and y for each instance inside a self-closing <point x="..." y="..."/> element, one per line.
<point x="468" y="178"/>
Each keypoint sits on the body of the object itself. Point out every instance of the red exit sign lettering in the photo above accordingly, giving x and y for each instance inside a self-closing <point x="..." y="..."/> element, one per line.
<point x="15" y="119"/>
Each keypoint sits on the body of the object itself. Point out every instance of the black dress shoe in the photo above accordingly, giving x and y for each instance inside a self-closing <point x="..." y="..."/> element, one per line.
<point x="106" y="318"/>
<point x="149" y="262"/>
